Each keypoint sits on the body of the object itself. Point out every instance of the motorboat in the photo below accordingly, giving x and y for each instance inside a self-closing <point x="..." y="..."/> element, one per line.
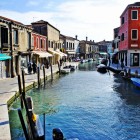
<point x="136" y="81"/>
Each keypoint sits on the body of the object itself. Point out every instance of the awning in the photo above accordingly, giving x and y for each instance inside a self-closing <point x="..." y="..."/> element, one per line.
<point x="63" y="54"/>
<point x="55" y="52"/>
<point x="42" y="54"/>
<point x="4" y="57"/>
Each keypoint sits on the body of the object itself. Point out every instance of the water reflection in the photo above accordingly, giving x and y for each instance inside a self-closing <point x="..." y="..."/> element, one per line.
<point x="88" y="66"/>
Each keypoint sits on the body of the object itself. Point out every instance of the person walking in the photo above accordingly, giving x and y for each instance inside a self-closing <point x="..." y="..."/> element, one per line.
<point x="122" y="64"/>
<point x="34" y="67"/>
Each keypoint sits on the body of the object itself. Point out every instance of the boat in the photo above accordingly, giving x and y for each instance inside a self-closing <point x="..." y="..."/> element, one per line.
<point x="65" y="71"/>
<point x="136" y="81"/>
<point x="72" y="68"/>
<point x="102" y="68"/>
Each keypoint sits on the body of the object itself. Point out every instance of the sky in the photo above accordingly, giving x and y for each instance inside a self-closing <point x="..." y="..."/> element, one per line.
<point x="94" y="19"/>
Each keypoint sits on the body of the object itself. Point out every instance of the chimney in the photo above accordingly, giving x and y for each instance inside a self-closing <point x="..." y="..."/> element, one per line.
<point x="86" y="38"/>
<point x="76" y="37"/>
<point x="93" y="40"/>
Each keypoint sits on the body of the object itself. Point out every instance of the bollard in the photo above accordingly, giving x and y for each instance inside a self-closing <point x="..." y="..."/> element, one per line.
<point x="23" y="82"/>
<point x="29" y="119"/>
<point x="51" y="72"/>
<point x="20" y="91"/>
<point x="23" y="124"/>
<point x="59" y="67"/>
<point x="44" y="75"/>
<point x="38" y="76"/>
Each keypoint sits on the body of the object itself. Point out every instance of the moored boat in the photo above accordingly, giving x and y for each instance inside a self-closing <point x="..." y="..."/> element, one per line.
<point x="102" y="68"/>
<point x="136" y="81"/>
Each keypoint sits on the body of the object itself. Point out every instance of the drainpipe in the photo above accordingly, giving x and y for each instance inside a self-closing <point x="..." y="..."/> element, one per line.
<point x="11" y="49"/>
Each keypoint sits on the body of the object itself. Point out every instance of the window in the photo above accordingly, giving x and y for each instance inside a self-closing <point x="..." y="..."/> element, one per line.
<point x="15" y="36"/>
<point x="41" y="43"/>
<point x="122" y="37"/>
<point x="32" y="41"/>
<point x="134" y="15"/>
<point x="134" y="34"/>
<point x="4" y="36"/>
<point x="122" y="20"/>
<point x="37" y="42"/>
<point x="44" y="44"/>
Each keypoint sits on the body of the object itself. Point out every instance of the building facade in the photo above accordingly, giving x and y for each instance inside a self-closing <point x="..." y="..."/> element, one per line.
<point x="53" y="34"/>
<point x="129" y="34"/>
<point x="15" y="42"/>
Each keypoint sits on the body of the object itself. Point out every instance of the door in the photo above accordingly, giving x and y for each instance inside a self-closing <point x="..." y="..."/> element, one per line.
<point x="136" y="59"/>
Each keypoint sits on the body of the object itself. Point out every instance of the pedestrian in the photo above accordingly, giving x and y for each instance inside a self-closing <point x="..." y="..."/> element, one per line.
<point x="122" y="64"/>
<point x="29" y="68"/>
<point x="34" y="67"/>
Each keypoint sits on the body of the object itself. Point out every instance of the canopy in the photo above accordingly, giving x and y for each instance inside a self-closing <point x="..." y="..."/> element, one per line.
<point x="4" y="57"/>
<point x="63" y="54"/>
<point x="42" y="54"/>
<point x="55" y="52"/>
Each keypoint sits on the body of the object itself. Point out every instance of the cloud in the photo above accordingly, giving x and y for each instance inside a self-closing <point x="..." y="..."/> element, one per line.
<point x="93" y="18"/>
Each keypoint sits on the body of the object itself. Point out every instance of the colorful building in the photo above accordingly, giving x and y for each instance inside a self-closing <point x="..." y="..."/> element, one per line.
<point x="129" y="35"/>
<point x="40" y="55"/>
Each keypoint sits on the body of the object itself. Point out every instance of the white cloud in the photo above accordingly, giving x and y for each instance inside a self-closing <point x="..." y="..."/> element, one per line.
<point x="93" y="18"/>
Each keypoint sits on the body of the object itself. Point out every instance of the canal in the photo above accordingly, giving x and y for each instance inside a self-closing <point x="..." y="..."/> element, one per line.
<point x="86" y="105"/>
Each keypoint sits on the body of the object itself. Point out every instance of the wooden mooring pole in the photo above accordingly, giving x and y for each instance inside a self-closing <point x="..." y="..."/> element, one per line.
<point x="20" y="91"/>
<point x="29" y="119"/>
<point x="51" y="72"/>
<point x="38" y="76"/>
<point x="23" y="125"/>
<point x="23" y="83"/>
<point x="59" y="67"/>
<point x="44" y="75"/>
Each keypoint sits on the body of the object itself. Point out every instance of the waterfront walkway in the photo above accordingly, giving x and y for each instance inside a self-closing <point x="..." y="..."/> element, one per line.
<point x="8" y="89"/>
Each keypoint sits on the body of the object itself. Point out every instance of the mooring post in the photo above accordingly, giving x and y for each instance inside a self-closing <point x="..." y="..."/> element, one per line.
<point x="23" y="124"/>
<point x="23" y="83"/>
<point x="29" y="119"/>
<point x="59" y="67"/>
<point x="44" y="75"/>
<point x="51" y="72"/>
<point x="38" y="76"/>
<point x="20" y="91"/>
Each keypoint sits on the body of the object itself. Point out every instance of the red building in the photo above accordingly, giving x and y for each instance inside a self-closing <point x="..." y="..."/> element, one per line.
<point x="39" y="45"/>
<point x="129" y="35"/>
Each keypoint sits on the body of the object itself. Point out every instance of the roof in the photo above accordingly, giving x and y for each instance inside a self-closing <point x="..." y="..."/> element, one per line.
<point x="8" y="19"/>
<point x="13" y="21"/>
<point x="44" y="22"/>
<point x="88" y="42"/>
<point x="69" y="37"/>
<point x="137" y="4"/>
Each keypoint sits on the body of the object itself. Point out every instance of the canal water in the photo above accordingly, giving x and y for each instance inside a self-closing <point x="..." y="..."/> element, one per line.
<point x="86" y="105"/>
